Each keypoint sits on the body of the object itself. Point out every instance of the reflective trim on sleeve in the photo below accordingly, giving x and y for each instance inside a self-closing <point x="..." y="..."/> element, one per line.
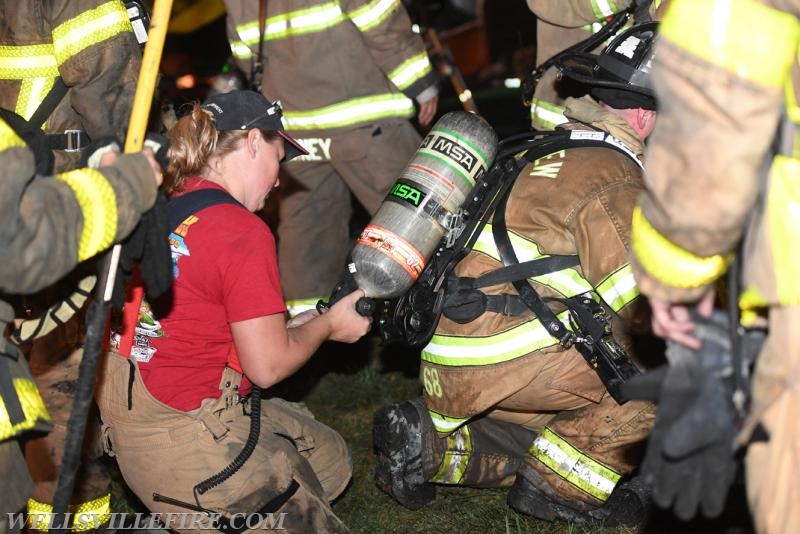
<point x="619" y="288"/>
<point x="546" y="115"/>
<point x="32" y="406"/>
<point x="521" y="340"/>
<point x="90" y="28"/>
<point x="351" y="112"/>
<point x="411" y="70"/>
<point x="445" y="424"/>
<point x="455" y="460"/>
<point x="89" y="515"/>
<point x="580" y="470"/>
<point x="667" y="262"/>
<point x="98" y="203"/>
<point x="745" y="37"/>
<point x="373" y="13"/>
<point x="8" y="137"/>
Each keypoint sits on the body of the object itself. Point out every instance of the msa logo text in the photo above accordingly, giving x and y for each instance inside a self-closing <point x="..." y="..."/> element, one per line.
<point x="406" y="192"/>
<point x="452" y="150"/>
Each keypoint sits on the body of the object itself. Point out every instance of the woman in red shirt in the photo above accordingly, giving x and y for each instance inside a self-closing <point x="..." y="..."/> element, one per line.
<point x="175" y="395"/>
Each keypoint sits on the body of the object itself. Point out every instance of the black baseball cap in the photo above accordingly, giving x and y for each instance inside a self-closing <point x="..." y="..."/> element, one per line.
<point x="245" y="110"/>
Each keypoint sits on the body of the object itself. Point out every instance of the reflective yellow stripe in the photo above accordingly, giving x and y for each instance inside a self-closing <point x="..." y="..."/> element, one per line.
<point x="27" y="61"/>
<point x="351" y="112"/>
<point x="458" y="451"/>
<point x="98" y="204"/>
<point x="373" y="13"/>
<point x="298" y="306"/>
<point x="619" y="288"/>
<point x="85" y="516"/>
<point x="521" y="340"/>
<point x="308" y="20"/>
<point x="745" y="37"/>
<point x="91" y="27"/>
<point x="32" y="406"/>
<point x="31" y="94"/>
<point x="445" y="424"/>
<point x="604" y="8"/>
<point x="783" y="213"/>
<point x="568" y="282"/>
<point x="411" y="70"/>
<point x="546" y="115"/>
<point x="572" y="465"/>
<point x="8" y="137"/>
<point x="669" y="263"/>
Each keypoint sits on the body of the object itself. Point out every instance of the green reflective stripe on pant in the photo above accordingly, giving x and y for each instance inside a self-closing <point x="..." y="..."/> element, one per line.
<point x="297" y="306"/>
<point x="350" y="112"/>
<point x="521" y="340"/>
<point x="619" y="288"/>
<point x="455" y="458"/>
<point x="85" y="516"/>
<point x="445" y="424"/>
<point x="546" y="115"/>
<point x="574" y="466"/>
<point x="568" y="282"/>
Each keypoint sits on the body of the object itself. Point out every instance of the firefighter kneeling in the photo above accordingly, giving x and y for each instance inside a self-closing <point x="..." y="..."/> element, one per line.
<point x="505" y="403"/>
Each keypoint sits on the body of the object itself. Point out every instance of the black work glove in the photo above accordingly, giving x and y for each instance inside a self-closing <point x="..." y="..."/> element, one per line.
<point x="690" y="459"/>
<point x="148" y="245"/>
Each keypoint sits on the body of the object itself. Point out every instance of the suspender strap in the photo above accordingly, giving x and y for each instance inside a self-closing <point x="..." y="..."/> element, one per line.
<point x="179" y="208"/>
<point x="49" y="104"/>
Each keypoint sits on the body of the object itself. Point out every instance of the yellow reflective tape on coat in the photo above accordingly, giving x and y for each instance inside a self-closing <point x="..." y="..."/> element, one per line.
<point x="32" y="406"/>
<point x="308" y="20"/>
<point x="351" y="112"/>
<point x="411" y="70"/>
<point x="745" y="37"/>
<point x="297" y="306"/>
<point x="783" y="214"/>
<point x="667" y="262"/>
<point x="572" y="465"/>
<point x="89" y="515"/>
<point x="18" y="62"/>
<point x="619" y="288"/>
<point x="458" y="451"/>
<point x="8" y="137"/>
<point x="373" y="13"/>
<point x="546" y="115"/>
<point x="98" y="204"/>
<point x="91" y="27"/>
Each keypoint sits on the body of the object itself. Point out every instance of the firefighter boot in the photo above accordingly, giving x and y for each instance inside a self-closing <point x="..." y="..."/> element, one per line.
<point x="628" y="505"/>
<point x="399" y="432"/>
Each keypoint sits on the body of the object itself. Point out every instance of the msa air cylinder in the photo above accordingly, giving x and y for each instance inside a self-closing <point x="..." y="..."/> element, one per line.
<point x="395" y="246"/>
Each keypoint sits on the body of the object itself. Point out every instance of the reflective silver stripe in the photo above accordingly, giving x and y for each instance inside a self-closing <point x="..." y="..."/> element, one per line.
<point x="574" y="466"/>
<point x="603" y="8"/>
<point x="521" y="340"/>
<point x="372" y="14"/>
<point x="547" y="115"/>
<point x="302" y="21"/>
<point x="619" y="288"/>
<point x="445" y="424"/>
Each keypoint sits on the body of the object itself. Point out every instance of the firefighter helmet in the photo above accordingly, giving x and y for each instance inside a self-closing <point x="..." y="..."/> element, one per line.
<point x="620" y="74"/>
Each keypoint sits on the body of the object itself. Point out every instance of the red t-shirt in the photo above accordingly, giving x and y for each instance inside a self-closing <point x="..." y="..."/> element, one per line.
<point x="226" y="271"/>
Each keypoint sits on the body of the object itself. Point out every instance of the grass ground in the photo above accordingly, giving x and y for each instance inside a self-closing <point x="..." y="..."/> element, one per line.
<point x="343" y="385"/>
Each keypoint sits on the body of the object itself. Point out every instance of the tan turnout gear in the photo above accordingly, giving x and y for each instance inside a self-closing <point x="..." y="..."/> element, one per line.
<point x="501" y="375"/>
<point x="708" y="187"/>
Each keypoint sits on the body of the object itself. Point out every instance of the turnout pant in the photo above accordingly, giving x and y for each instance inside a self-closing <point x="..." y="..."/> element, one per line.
<point x="546" y="415"/>
<point x="297" y="460"/>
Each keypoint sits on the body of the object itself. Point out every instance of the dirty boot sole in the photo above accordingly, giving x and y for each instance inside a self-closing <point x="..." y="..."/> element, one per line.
<point x="397" y="437"/>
